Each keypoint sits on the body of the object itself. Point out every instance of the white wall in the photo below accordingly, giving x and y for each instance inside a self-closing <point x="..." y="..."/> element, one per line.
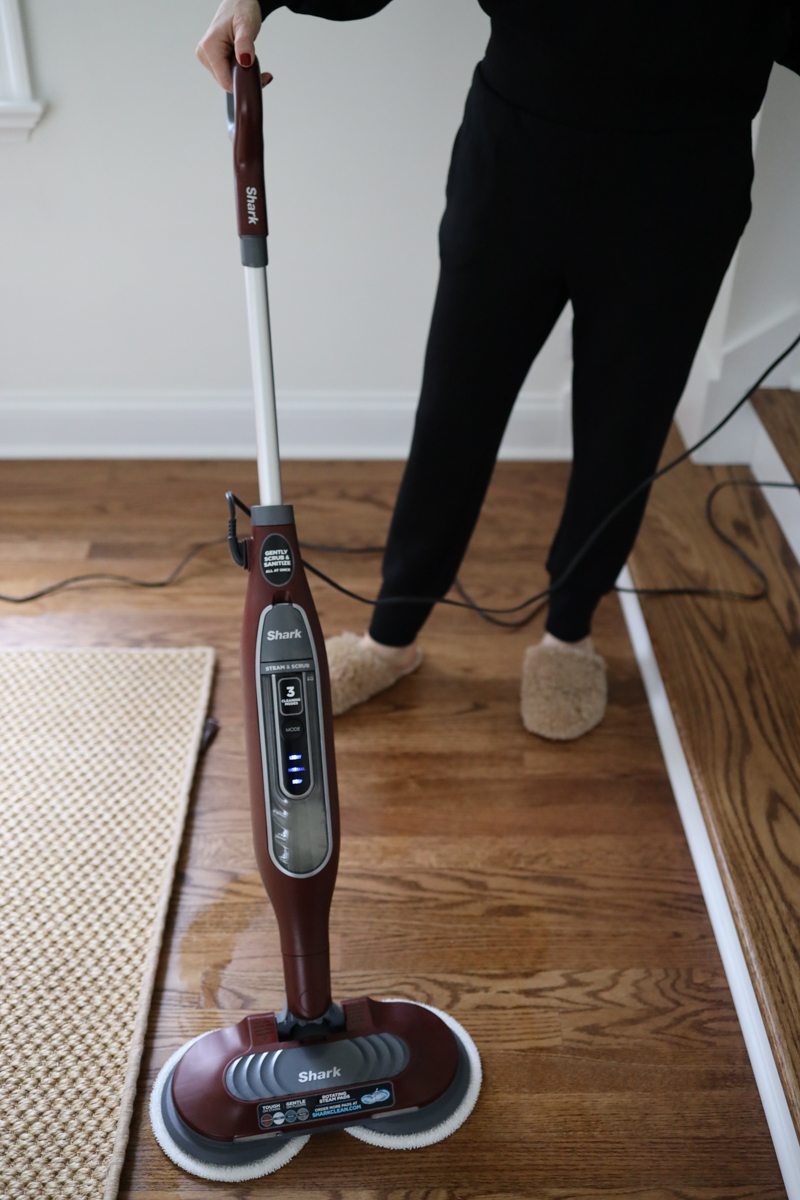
<point x="758" y="310"/>
<point x="122" y="323"/>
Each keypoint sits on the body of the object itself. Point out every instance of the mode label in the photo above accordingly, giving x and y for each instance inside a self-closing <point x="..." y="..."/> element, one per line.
<point x="344" y="1102"/>
<point x="277" y="560"/>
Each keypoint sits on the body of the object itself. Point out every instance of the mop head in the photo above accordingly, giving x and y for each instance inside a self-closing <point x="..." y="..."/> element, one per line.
<point x="223" y="1172"/>
<point x="408" y="1132"/>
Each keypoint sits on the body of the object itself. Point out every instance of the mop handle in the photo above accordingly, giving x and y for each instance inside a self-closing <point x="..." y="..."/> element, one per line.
<point x="251" y="211"/>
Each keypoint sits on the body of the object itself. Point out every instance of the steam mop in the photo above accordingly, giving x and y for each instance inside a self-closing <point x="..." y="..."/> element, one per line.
<point x="241" y="1102"/>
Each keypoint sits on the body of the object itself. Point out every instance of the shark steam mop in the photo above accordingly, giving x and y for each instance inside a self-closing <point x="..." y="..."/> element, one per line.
<point x="240" y="1102"/>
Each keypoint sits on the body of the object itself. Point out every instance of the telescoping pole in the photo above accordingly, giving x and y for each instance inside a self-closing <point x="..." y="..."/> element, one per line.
<point x="251" y="207"/>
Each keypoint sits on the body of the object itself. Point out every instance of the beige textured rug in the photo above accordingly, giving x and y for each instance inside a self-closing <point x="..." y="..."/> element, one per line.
<point x="97" y="755"/>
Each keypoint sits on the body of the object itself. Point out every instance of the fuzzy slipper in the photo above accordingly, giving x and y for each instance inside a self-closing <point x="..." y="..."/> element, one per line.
<point x="564" y="691"/>
<point x="358" y="671"/>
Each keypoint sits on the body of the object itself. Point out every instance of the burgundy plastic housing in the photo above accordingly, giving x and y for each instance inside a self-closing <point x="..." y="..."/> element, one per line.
<point x="206" y="1106"/>
<point x="248" y="151"/>
<point x="302" y="906"/>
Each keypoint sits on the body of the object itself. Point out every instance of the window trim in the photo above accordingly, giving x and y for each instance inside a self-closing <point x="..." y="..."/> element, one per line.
<point x="19" y="112"/>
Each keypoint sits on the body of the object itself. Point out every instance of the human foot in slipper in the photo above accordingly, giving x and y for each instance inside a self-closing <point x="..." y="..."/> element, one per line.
<point x="564" y="689"/>
<point x="361" y="667"/>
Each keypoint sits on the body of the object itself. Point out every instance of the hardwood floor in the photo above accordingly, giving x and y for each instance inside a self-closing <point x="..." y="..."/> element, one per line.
<point x="778" y="410"/>
<point x="732" y="673"/>
<point x="542" y="893"/>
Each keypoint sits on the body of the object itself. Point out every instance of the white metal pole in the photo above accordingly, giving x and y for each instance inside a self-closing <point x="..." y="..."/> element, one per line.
<point x="267" y="452"/>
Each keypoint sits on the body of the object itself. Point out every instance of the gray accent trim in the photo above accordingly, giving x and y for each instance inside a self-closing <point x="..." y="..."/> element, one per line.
<point x="272" y="514"/>
<point x="289" y="642"/>
<point x="209" y="1150"/>
<point x="264" y="755"/>
<point x="276" y="1073"/>
<point x="254" y="250"/>
<point x="230" y="112"/>
<point x="281" y="667"/>
<point x="420" y="1120"/>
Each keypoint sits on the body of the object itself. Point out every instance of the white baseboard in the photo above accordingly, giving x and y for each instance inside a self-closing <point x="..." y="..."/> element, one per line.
<point x="174" y="424"/>
<point x="713" y="390"/>
<point x="779" y="1119"/>
<point x="18" y="119"/>
<point x="766" y="464"/>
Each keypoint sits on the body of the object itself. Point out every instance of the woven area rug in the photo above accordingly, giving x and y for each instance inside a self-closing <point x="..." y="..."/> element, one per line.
<point x="97" y="755"/>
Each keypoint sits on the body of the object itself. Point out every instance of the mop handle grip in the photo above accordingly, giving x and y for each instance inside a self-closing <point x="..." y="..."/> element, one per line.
<point x="248" y="151"/>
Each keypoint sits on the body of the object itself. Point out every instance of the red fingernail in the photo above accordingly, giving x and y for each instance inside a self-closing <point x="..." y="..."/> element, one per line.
<point x="245" y="60"/>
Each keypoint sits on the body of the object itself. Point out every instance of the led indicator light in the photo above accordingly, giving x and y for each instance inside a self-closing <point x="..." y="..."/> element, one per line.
<point x="292" y="757"/>
<point x="295" y="781"/>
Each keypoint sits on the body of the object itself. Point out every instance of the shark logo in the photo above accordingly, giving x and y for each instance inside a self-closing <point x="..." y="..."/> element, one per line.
<point x="307" y="1076"/>
<point x="252" y="195"/>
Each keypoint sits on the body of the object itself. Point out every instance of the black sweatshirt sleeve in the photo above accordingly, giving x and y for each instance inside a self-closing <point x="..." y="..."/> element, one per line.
<point x="332" y="10"/>
<point x="789" y="55"/>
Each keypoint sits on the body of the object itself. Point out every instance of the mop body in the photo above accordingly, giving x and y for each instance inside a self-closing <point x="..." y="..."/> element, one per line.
<point x="240" y="1102"/>
<point x="357" y="1081"/>
<point x="190" y="1151"/>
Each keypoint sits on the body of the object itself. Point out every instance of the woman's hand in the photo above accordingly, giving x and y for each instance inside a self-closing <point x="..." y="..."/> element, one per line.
<point x="234" y="27"/>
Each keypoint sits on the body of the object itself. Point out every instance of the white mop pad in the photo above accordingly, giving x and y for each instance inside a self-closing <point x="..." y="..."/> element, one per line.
<point x="365" y="1133"/>
<point x="428" y="1137"/>
<point x="225" y="1174"/>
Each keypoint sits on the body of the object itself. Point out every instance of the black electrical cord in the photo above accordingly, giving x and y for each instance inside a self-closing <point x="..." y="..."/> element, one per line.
<point x="488" y="614"/>
<point x="109" y="577"/>
<point x="603" y="525"/>
<point x="590" y="541"/>
<point x="342" y="549"/>
<point x="722" y="593"/>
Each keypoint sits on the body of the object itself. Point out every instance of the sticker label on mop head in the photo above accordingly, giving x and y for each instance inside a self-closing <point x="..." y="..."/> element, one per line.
<point x="277" y="560"/>
<point x="344" y="1102"/>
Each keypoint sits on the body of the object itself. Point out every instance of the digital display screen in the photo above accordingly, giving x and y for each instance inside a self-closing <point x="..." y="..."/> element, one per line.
<point x="295" y="764"/>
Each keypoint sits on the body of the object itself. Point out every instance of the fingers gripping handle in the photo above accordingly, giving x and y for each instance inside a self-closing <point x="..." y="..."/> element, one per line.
<point x="251" y="211"/>
<point x="248" y="164"/>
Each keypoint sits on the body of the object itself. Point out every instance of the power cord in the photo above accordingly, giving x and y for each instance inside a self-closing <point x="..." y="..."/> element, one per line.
<point x="488" y="614"/>
<point x="722" y="593"/>
<point x="109" y="577"/>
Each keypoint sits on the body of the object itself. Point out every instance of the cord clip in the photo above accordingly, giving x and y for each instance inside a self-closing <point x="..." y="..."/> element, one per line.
<point x="237" y="546"/>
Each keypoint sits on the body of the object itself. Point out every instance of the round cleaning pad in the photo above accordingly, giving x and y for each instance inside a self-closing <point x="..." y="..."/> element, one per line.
<point x="164" y="1121"/>
<point x="436" y="1121"/>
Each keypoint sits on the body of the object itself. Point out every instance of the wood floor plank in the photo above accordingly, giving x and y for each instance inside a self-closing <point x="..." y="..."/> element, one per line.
<point x="543" y="894"/>
<point x="532" y="1192"/>
<point x="778" y="409"/>
<point x="733" y="678"/>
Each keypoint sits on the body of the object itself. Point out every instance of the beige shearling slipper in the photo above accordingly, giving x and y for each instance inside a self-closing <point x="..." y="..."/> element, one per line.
<point x="564" y="691"/>
<point x="359" y="671"/>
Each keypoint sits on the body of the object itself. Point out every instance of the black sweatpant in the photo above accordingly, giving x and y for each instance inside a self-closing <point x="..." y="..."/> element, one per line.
<point x="637" y="230"/>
